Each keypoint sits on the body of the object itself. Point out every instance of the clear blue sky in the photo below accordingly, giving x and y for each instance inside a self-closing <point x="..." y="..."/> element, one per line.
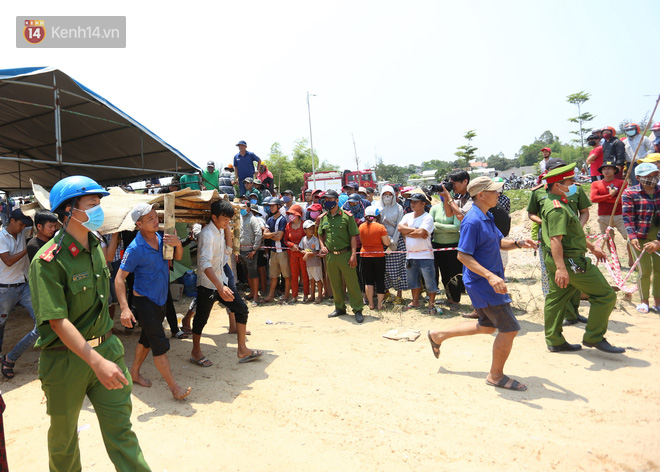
<point x="408" y="79"/>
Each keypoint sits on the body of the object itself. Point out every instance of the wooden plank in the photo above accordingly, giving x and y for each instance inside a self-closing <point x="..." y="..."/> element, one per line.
<point x="190" y="219"/>
<point x="181" y="203"/>
<point x="204" y="215"/>
<point x="169" y="220"/>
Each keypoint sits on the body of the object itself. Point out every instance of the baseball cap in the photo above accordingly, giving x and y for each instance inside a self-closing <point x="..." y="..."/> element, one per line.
<point x="242" y="142"/>
<point x="554" y="162"/>
<point x="546" y="149"/>
<point x="331" y="194"/>
<point x="645" y="168"/>
<point x="308" y="224"/>
<point x="210" y="164"/>
<point x="142" y="209"/>
<point x="483" y="184"/>
<point x="18" y="215"/>
<point x="257" y="182"/>
<point x="653" y="157"/>
<point x="418" y="197"/>
<point x="315" y="207"/>
<point x="371" y="211"/>
<point x="318" y="190"/>
<point x="249" y="180"/>
<point x="362" y="189"/>
<point x="352" y="185"/>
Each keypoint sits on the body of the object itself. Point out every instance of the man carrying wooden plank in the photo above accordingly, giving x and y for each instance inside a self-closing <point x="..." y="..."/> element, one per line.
<point x="144" y="258"/>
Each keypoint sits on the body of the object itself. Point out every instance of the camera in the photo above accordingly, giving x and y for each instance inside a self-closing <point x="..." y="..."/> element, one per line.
<point x="448" y="184"/>
<point x="437" y="188"/>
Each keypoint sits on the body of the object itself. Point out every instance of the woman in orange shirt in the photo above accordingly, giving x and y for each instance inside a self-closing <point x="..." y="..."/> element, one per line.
<point x="374" y="238"/>
<point x="293" y="234"/>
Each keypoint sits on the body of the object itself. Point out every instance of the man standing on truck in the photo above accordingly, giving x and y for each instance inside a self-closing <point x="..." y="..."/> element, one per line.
<point x="244" y="165"/>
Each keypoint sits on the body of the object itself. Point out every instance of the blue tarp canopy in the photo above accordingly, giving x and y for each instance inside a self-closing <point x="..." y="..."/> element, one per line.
<point x="51" y="126"/>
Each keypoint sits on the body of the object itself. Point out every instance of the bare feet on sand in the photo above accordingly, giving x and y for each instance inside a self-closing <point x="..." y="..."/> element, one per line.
<point x="179" y="393"/>
<point x="138" y="379"/>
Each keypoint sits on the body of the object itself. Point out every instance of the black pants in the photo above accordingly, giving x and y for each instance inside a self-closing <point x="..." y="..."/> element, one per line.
<point x="205" y="300"/>
<point x="151" y="317"/>
<point x="170" y="313"/>
<point x="373" y="272"/>
<point x="451" y="271"/>
<point x="359" y="272"/>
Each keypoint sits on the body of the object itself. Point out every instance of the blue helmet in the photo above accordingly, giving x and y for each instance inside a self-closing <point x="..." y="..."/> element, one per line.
<point x="354" y="197"/>
<point x="72" y="187"/>
<point x="266" y="201"/>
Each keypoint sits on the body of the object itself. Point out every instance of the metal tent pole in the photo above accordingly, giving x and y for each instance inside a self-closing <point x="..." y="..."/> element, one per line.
<point x="58" y="122"/>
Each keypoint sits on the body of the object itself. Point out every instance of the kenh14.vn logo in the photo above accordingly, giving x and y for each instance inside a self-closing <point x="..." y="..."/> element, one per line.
<point x="34" y="31"/>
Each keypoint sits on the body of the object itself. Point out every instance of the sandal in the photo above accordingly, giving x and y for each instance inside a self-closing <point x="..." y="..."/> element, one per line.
<point x="643" y="308"/>
<point x="435" y="347"/>
<point x="202" y="361"/>
<point x="180" y="335"/>
<point x="515" y="385"/>
<point x="7" y="367"/>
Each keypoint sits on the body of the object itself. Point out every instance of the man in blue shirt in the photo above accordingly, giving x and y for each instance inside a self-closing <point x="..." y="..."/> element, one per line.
<point x="279" y="258"/>
<point x="483" y="273"/>
<point x="244" y="165"/>
<point x="144" y="258"/>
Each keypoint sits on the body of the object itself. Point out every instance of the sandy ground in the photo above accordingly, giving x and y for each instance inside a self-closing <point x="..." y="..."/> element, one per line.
<point x="334" y="395"/>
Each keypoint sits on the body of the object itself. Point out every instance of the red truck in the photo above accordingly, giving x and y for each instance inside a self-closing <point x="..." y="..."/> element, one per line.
<point x="335" y="179"/>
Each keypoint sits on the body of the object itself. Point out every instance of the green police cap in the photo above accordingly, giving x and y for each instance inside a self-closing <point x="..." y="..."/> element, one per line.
<point x="560" y="173"/>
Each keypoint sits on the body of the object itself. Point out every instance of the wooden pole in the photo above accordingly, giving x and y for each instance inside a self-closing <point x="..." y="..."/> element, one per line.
<point x="630" y="167"/>
<point x="170" y="228"/>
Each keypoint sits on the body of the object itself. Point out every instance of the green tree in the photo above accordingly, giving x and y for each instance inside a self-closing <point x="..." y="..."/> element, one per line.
<point x="302" y="158"/>
<point x="285" y="173"/>
<point x="579" y="99"/>
<point x="391" y="172"/>
<point x="500" y="162"/>
<point x="467" y="152"/>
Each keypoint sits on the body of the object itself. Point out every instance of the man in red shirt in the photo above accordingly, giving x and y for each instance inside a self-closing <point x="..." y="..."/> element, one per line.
<point x="604" y="192"/>
<point x="595" y="159"/>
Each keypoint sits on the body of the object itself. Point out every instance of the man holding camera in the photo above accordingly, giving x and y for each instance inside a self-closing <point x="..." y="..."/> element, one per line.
<point x="456" y="181"/>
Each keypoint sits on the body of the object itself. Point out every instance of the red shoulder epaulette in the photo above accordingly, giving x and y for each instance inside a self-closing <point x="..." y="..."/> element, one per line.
<point x="49" y="253"/>
<point x="74" y="249"/>
<point x="348" y="212"/>
<point x="556" y="203"/>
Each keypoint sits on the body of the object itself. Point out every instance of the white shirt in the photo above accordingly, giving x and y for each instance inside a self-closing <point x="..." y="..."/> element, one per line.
<point x="17" y="273"/>
<point x="632" y="143"/>
<point x="425" y="221"/>
<point x="210" y="254"/>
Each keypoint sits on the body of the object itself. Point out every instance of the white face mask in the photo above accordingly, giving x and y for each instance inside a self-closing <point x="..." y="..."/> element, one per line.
<point x="387" y="199"/>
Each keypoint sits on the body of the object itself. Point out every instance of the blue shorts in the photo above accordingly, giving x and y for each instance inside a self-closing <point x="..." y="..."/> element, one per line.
<point x="424" y="268"/>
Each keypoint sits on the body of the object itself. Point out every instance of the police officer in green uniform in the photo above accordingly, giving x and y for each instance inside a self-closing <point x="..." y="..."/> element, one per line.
<point x="338" y="233"/>
<point x="79" y="355"/>
<point x="579" y="203"/>
<point x="569" y="270"/>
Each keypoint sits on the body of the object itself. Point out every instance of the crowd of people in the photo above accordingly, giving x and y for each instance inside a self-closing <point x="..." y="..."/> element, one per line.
<point x="342" y="245"/>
